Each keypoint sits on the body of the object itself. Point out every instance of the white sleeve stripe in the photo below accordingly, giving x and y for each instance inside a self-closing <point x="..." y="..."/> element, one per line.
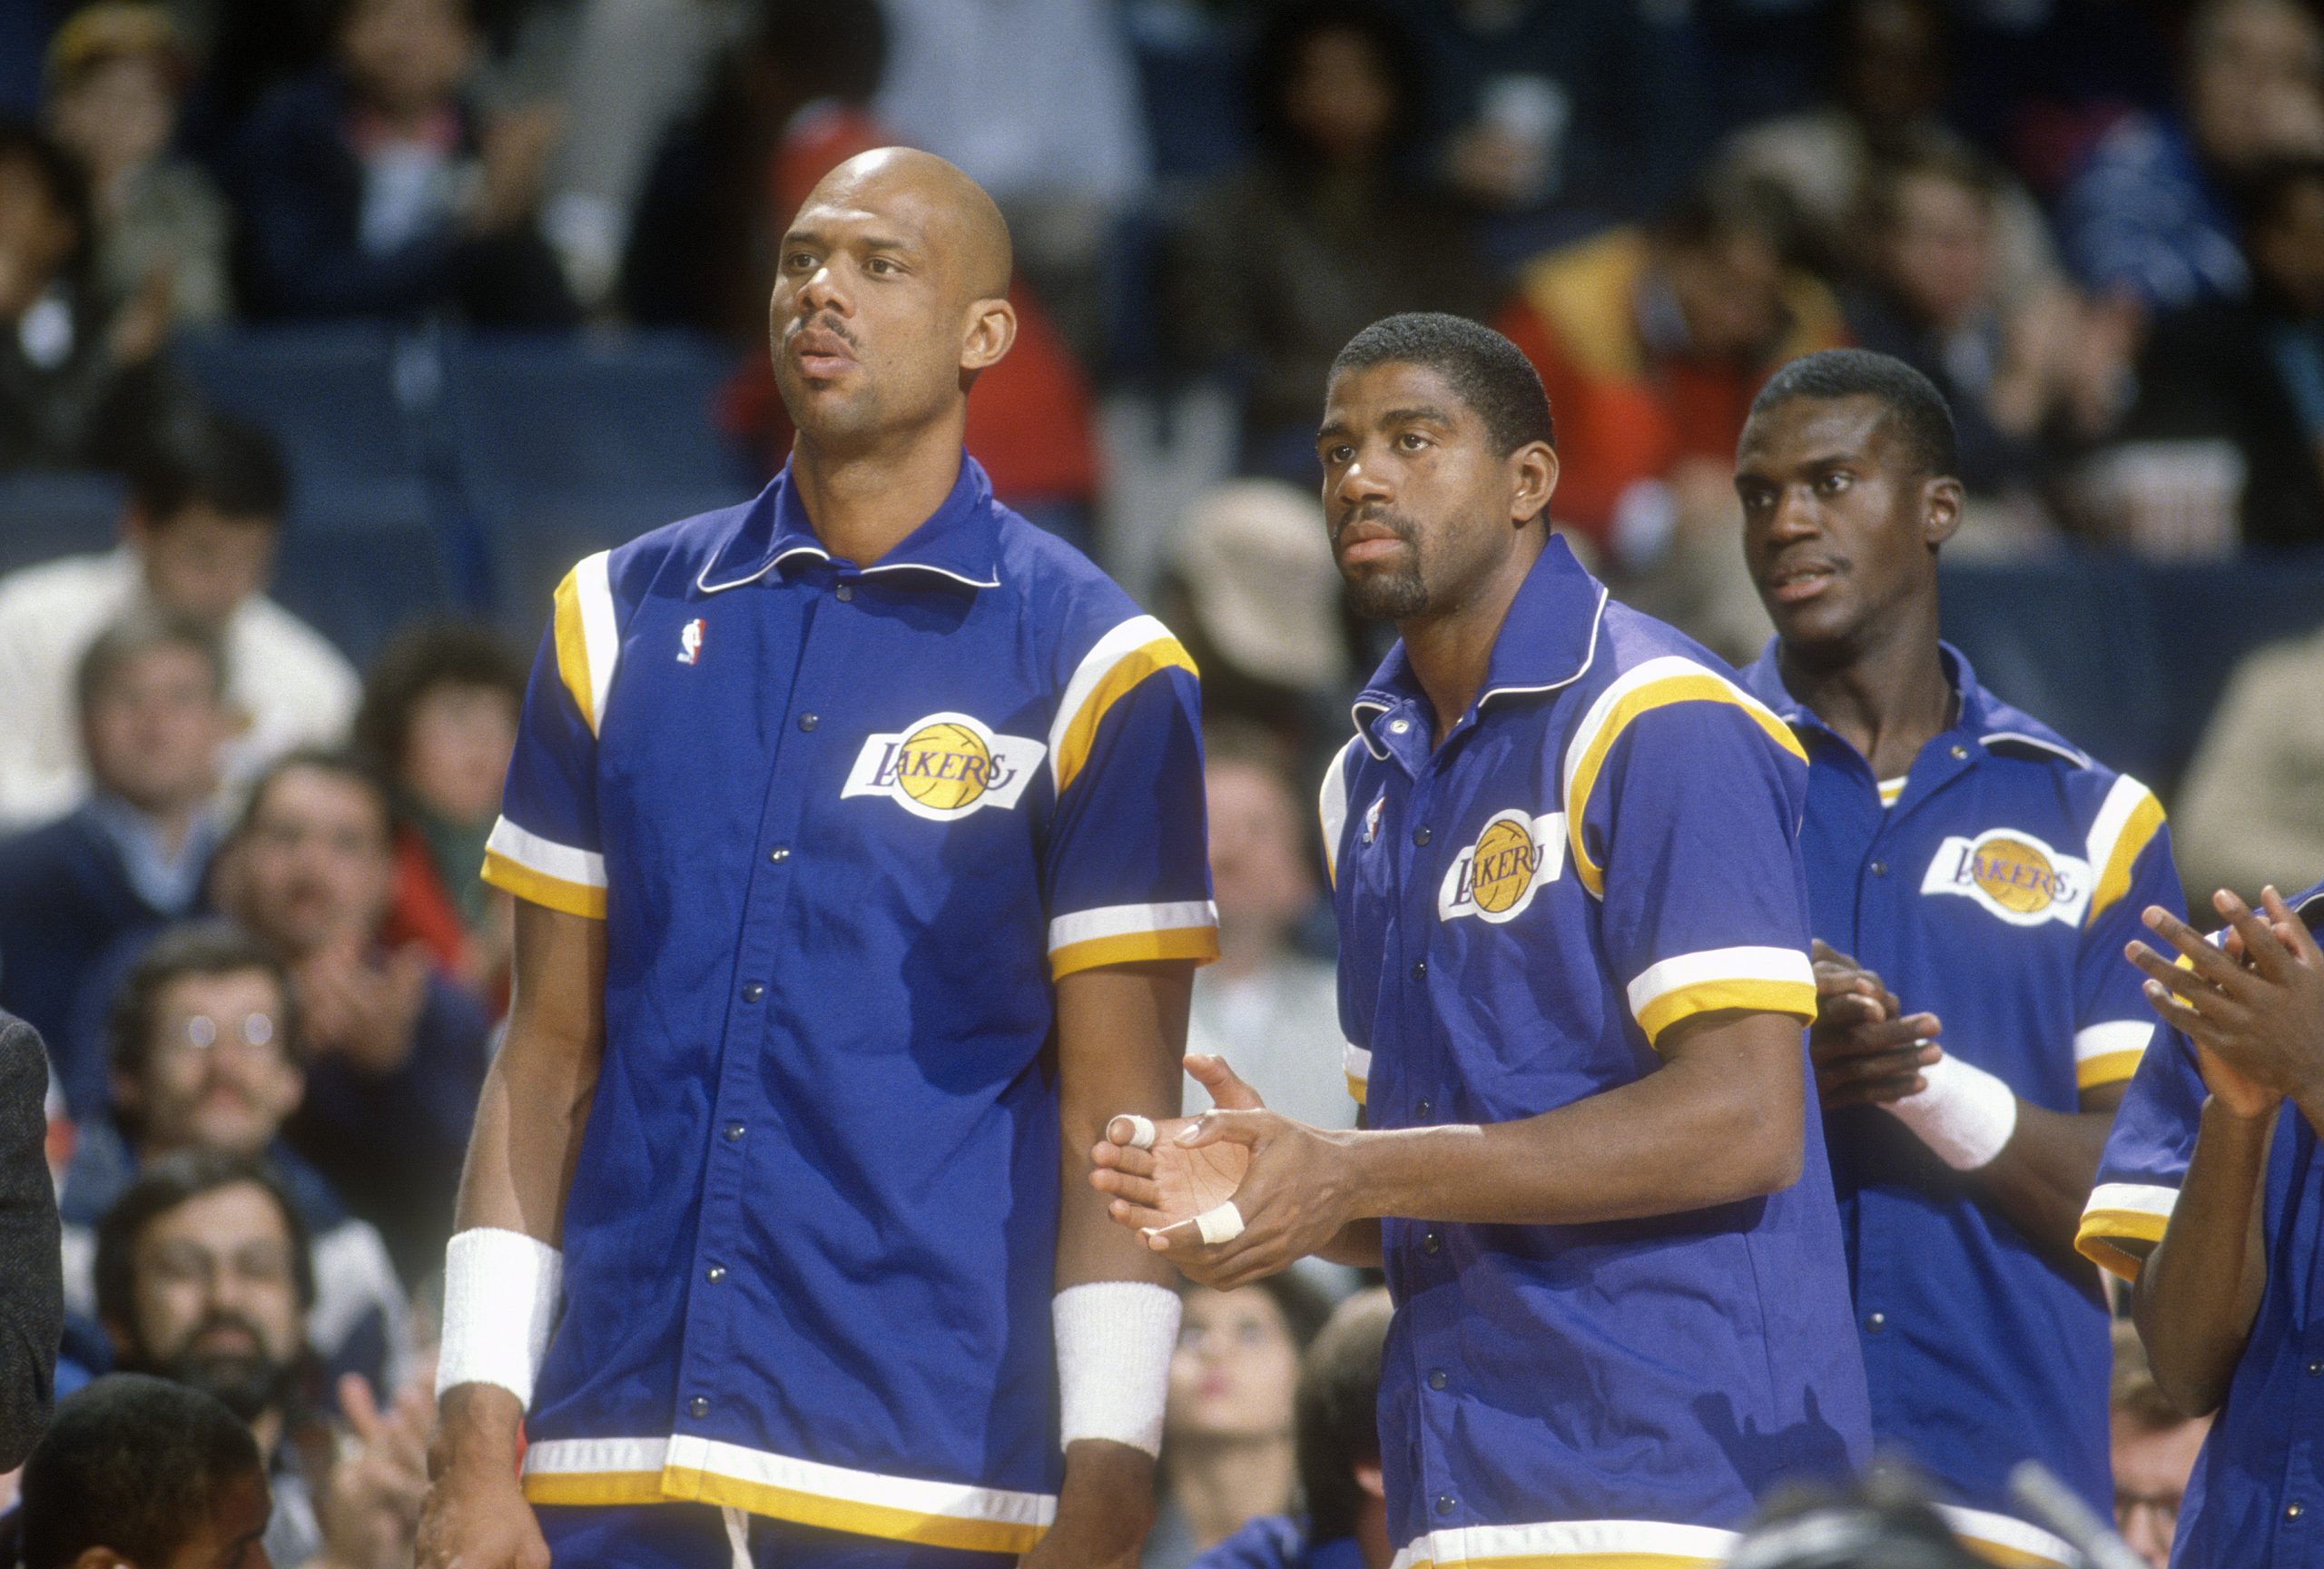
<point x="594" y="591"/>
<point x="1332" y="805"/>
<point x="1719" y="964"/>
<point x="1661" y="669"/>
<point x="1355" y="1062"/>
<point x="1127" y="920"/>
<point x="2114" y="816"/>
<point x="547" y="857"/>
<point x="2132" y="1198"/>
<point x="2106" y="1040"/>
<point x="1132" y="635"/>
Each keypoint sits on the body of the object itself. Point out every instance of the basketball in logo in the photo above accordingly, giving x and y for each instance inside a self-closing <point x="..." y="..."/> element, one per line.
<point x="944" y="766"/>
<point x="2014" y="875"/>
<point x="1502" y="869"/>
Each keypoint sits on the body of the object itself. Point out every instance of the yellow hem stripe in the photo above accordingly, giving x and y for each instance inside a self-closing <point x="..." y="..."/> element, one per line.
<point x="1704" y="687"/>
<point x="845" y="1515"/>
<point x="594" y="1487"/>
<point x="541" y="888"/>
<point x="573" y="647"/>
<point x="1582" y="1561"/>
<point x="2108" y="1068"/>
<point x="2100" y="1230"/>
<point x="2115" y="881"/>
<point x="1073" y="752"/>
<point x="2006" y="1557"/>
<point x="1200" y="944"/>
<point x="1794" y="997"/>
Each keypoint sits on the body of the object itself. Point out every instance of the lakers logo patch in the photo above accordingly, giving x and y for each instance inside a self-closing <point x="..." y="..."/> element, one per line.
<point x="2014" y="875"/>
<point x="945" y="766"/>
<point x="1494" y="878"/>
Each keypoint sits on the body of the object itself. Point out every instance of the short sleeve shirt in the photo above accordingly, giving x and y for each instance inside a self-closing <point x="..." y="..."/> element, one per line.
<point x="1601" y="849"/>
<point x="846" y="826"/>
<point x="2257" y="1498"/>
<point x="1995" y="890"/>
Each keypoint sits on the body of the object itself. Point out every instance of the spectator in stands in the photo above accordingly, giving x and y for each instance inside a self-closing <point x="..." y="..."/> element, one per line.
<point x="791" y="105"/>
<point x="1344" y="1519"/>
<point x="2250" y="811"/>
<point x="141" y="1473"/>
<point x="2249" y="370"/>
<point x="205" y="1058"/>
<point x="396" y="1054"/>
<point x="2155" y="1447"/>
<point x="439" y="722"/>
<point x="961" y="83"/>
<point x="115" y="73"/>
<point x="1274" y="267"/>
<point x="67" y="362"/>
<point x="202" y="1270"/>
<point x="74" y="892"/>
<point x="1652" y="343"/>
<point x="1227" y="1433"/>
<point x="374" y="187"/>
<point x="31" y="1299"/>
<point x="198" y="540"/>
<point x="1266" y="1007"/>
<point x="2149" y="218"/>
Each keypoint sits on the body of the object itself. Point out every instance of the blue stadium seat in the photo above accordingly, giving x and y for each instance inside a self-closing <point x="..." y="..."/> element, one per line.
<point x="531" y="415"/>
<point x="359" y="561"/>
<point x="44" y="516"/>
<point x="348" y="403"/>
<point x="539" y="534"/>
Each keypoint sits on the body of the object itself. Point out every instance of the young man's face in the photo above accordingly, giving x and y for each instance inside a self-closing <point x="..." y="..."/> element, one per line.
<point x="215" y="1303"/>
<point x="456" y="751"/>
<point x="233" y="1536"/>
<point x="406" y="56"/>
<point x="1836" y="525"/>
<point x="315" y="862"/>
<point x="155" y="727"/>
<point x="1258" y="872"/>
<point x="218" y="1074"/>
<point x="1418" y="501"/>
<point x="202" y="563"/>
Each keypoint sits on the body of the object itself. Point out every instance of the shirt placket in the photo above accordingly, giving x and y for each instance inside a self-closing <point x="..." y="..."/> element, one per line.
<point x="743" y="1121"/>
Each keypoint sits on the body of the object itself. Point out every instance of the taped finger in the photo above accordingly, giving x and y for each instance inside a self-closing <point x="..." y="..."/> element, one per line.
<point x="1222" y="1224"/>
<point x="1130" y="1128"/>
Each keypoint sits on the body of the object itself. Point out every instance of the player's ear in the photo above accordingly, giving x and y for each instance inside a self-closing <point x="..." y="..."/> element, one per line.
<point x="1942" y="500"/>
<point x="991" y="329"/>
<point x="1533" y="476"/>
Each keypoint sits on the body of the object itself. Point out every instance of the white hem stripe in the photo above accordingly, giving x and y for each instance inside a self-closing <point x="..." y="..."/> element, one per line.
<point x="547" y="857"/>
<point x="1566" y="1538"/>
<point x="1129" y="920"/>
<point x="2134" y="1198"/>
<point x="1982" y="1525"/>
<point x="1719" y="964"/>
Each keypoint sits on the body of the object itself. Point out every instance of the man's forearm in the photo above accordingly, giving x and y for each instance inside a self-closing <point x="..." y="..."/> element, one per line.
<point x="2200" y="1286"/>
<point x="2042" y="1178"/>
<point x="1721" y="1123"/>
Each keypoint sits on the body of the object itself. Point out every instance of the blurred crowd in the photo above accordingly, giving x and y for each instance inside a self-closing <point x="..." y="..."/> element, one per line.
<point x="238" y="878"/>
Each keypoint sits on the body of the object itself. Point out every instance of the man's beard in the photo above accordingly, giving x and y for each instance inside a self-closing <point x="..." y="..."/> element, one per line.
<point x="248" y="1382"/>
<point x="1395" y="595"/>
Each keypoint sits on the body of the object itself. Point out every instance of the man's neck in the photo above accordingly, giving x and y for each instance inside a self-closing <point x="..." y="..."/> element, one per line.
<point x="1886" y="699"/>
<point x="1451" y="653"/>
<point x="170" y="822"/>
<point x="1224" y="1481"/>
<point x="864" y="500"/>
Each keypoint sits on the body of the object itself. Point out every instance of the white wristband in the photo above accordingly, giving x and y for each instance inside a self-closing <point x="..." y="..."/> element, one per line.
<point x="1965" y="1114"/>
<point x="500" y="1294"/>
<point x="1114" y="1340"/>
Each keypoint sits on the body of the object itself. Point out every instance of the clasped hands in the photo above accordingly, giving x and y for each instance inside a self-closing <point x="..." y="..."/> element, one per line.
<point x="2252" y="1002"/>
<point x="1291" y="1186"/>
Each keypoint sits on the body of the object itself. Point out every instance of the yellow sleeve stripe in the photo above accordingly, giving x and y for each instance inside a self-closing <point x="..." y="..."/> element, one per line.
<point x="2120" y="1212"/>
<point x="2109" y="1053"/>
<point x="541" y="888"/>
<point x="2126" y="824"/>
<point x="1122" y="658"/>
<point x="1200" y="944"/>
<point x="1763" y="979"/>
<point x="1656" y="684"/>
<point x="1356" y="1066"/>
<point x="1797" y="997"/>
<point x="588" y="646"/>
<point x="1331" y="806"/>
<point x="2095" y="1072"/>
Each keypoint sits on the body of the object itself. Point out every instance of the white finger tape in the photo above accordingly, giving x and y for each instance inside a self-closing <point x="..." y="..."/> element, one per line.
<point x="1222" y="1224"/>
<point x="1141" y="1130"/>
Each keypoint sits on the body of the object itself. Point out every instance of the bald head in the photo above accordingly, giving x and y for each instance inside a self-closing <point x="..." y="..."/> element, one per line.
<point x="962" y="225"/>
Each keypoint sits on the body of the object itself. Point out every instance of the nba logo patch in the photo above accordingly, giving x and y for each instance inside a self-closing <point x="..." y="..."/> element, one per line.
<point x="690" y="641"/>
<point x="1372" y="818"/>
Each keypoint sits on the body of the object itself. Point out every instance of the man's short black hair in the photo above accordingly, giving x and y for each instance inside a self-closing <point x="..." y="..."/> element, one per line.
<point x="187" y="455"/>
<point x="162" y="1187"/>
<point x="1491" y="374"/>
<point x="1916" y="407"/>
<point x="134" y="1464"/>
<point x="338" y="762"/>
<point x="1335" y="1412"/>
<point x="195" y="948"/>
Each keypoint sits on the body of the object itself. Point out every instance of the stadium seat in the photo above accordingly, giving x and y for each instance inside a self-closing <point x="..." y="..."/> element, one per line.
<point x="348" y="403"/>
<point x="44" y="516"/>
<point x="359" y="561"/>
<point x="538" y="536"/>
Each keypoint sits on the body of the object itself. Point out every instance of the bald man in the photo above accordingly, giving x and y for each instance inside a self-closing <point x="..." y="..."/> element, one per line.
<point x="857" y="838"/>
